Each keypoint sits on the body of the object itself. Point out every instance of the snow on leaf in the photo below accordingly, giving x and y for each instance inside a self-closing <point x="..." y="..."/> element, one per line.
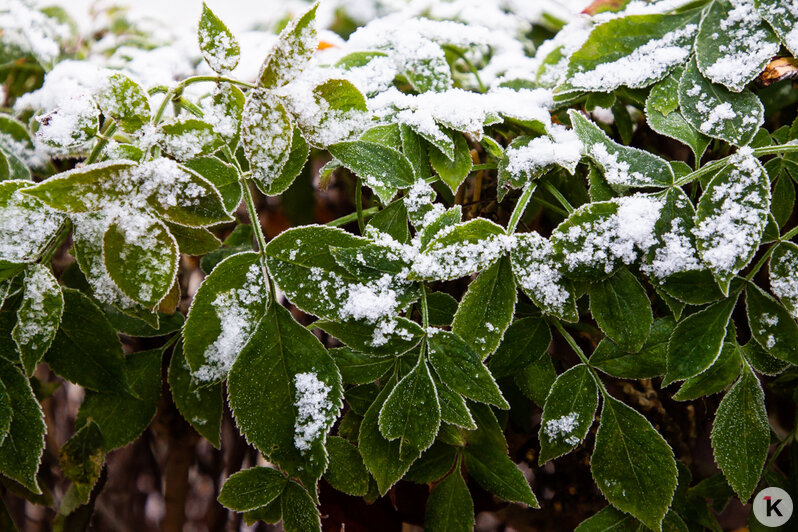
<point x="782" y="15"/>
<point x="266" y="135"/>
<point x="784" y="275"/>
<point x="734" y="44"/>
<point x="26" y="224"/>
<point x="39" y="315"/>
<point x="732" y="215"/>
<point x="219" y="47"/>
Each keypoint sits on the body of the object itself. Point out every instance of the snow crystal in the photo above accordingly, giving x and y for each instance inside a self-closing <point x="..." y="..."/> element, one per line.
<point x="236" y="311"/>
<point x="536" y="271"/>
<point x="313" y="407"/>
<point x="732" y="230"/>
<point x="676" y="254"/>
<point x="770" y="320"/>
<point x="562" y="428"/>
<point x="26" y="226"/>
<point x="31" y="30"/>
<point x="37" y="329"/>
<point x="219" y="50"/>
<point x="371" y="302"/>
<point x="617" y="237"/>
<point x="649" y="62"/>
<point x="780" y="14"/>
<point x="784" y="280"/>
<point x="562" y="147"/>
<point x="451" y="261"/>
<point x="72" y="123"/>
<point x="420" y="206"/>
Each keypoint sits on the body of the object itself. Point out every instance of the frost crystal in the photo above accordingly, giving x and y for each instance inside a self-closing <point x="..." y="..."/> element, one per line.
<point x="562" y="428"/>
<point x="676" y="254"/>
<point x="25" y="227"/>
<point x="784" y="280"/>
<point x="536" y="271"/>
<point x="313" y="407"/>
<point x="562" y="147"/>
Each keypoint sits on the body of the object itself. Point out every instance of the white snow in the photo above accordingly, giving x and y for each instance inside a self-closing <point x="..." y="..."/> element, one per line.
<point x="313" y="409"/>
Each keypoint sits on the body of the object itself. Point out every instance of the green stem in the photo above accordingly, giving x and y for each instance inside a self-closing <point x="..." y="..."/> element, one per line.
<point x="255" y="221"/>
<point x="470" y="65"/>
<point x="720" y="163"/>
<point x="761" y="262"/>
<point x="558" y="195"/>
<point x="556" y="208"/>
<point x="520" y="207"/>
<point x="484" y="166"/>
<point x="109" y="128"/>
<point x="349" y="218"/>
<point x="359" y="205"/>
<point x="178" y="89"/>
<point x="578" y="350"/>
<point x="424" y="307"/>
<point x="789" y="234"/>
<point x="55" y="242"/>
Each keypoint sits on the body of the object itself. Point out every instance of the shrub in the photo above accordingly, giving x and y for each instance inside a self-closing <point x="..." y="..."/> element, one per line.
<point x="618" y="192"/>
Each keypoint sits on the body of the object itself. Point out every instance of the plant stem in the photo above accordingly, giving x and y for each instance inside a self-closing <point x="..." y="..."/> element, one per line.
<point x="557" y="194"/>
<point x="789" y="234"/>
<point x="483" y="166"/>
<point x="343" y="220"/>
<point x="359" y="204"/>
<point x="178" y="89"/>
<point x="424" y="307"/>
<point x="520" y="207"/>
<point x="720" y="163"/>
<point x="578" y="350"/>
<point x="109" y="128"/>
<point x="55" y="242"/>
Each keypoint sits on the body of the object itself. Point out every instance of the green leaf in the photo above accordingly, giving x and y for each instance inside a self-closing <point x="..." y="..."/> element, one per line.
<point x="771" y="324"/>
<point x="524" y="342"/>
<point x="412" y="412"/>
<point x="125" y="101"/>
<point x="382" y="168"/>
<point x="293" y="49"/>
<point x="609" y="519"/>
<point x="68" y="131"/>
<point x="731" y="218"/>
<point x="441" y="308"/>
<point x="359" y="336"/>
<point x="297" y="158"/>
<point x="783" y="267"/>
<point x="200" y="406"/>
<point x="568" y="413"/>
<point x="449" y="506"/>
<point x="717" y="112"/>
<point x="454" y="410"/>
<point x="461" y="369"/>
<point x="28" y="225"/>
<point x="782" y="17"/>
<point x="123" y="417"/>
<point x="783" y="199"/>
<point x="221" y="175"/>
<point x="714" y="379"/>
<point x="381" y="456"/>
<point x="141" y="257"/>
<point x="83" y="189"/>
<point x="664" y="117"/>
<point x="285" y="392"/>
<point x="697" y="340"/>
<point x="536" y="379"/>
<point x="649" y="362"/>
<point x="622" y="166"/>
<point x="218" y="45"/>
<point x="21" y="449"/>
<point x="433" y="464"/>
<point x="392" y="220"/>
<point x="299" y="511"/>
<point x="86" y="349"/>
<point x="606" y="62"/>
<point x="38" y="317"/>
<point x="428" y="71"/>
<point x="733" y="44"/>
<point x="267" y="134"/>
<point x="6" y="412"/>
<point x="741" y="435"/>
<point x="632" y="464"/>
<point x="415" y="151"/>
<point x="453" y="171"/>
<point x="621" y="308"/>
<point x="224" y="315"/>
<point x="486" y="309"/>
<point x="187" y="138"/>
<point x="487" y="461"/>
<point x="81" y="458"/>
<point x="538" y="275"/>
<point x="346" y="472"/>
<point x="252" y="488"/>
<point x="357" y="368"/>
<point x="194" y="241"/>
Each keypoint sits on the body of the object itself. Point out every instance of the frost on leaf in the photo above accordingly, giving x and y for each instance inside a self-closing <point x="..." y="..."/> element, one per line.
<point x="72" y="124"/>
<point x="783" y="18"/>
<point x="717" y="112"/>
<point x="532" y="259"/>
<point x="313" y="409"/>
<point x="600" y="237"/>
<point x="562" y="428"/>
<point x="653" y="44"/>
<point x="39" y="315"/>
<point x="734" y="43"/>
<point x="732" y="215"/>
<point x="784" y="276"/>
<point x="124" y="100"/>
<point x="622" y="166"/>
<point x="526" y="159"/>
<point x="186" y="139"/>
<point x="266" y="135"/>
<point x="293" y="50"/>
<point x="219" y="47"/>
<point x="26" y="224"/>
<point x="675" y="250"/>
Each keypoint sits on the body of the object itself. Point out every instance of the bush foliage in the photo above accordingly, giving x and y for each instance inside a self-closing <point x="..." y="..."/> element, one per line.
<point x="535" y="217"/>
